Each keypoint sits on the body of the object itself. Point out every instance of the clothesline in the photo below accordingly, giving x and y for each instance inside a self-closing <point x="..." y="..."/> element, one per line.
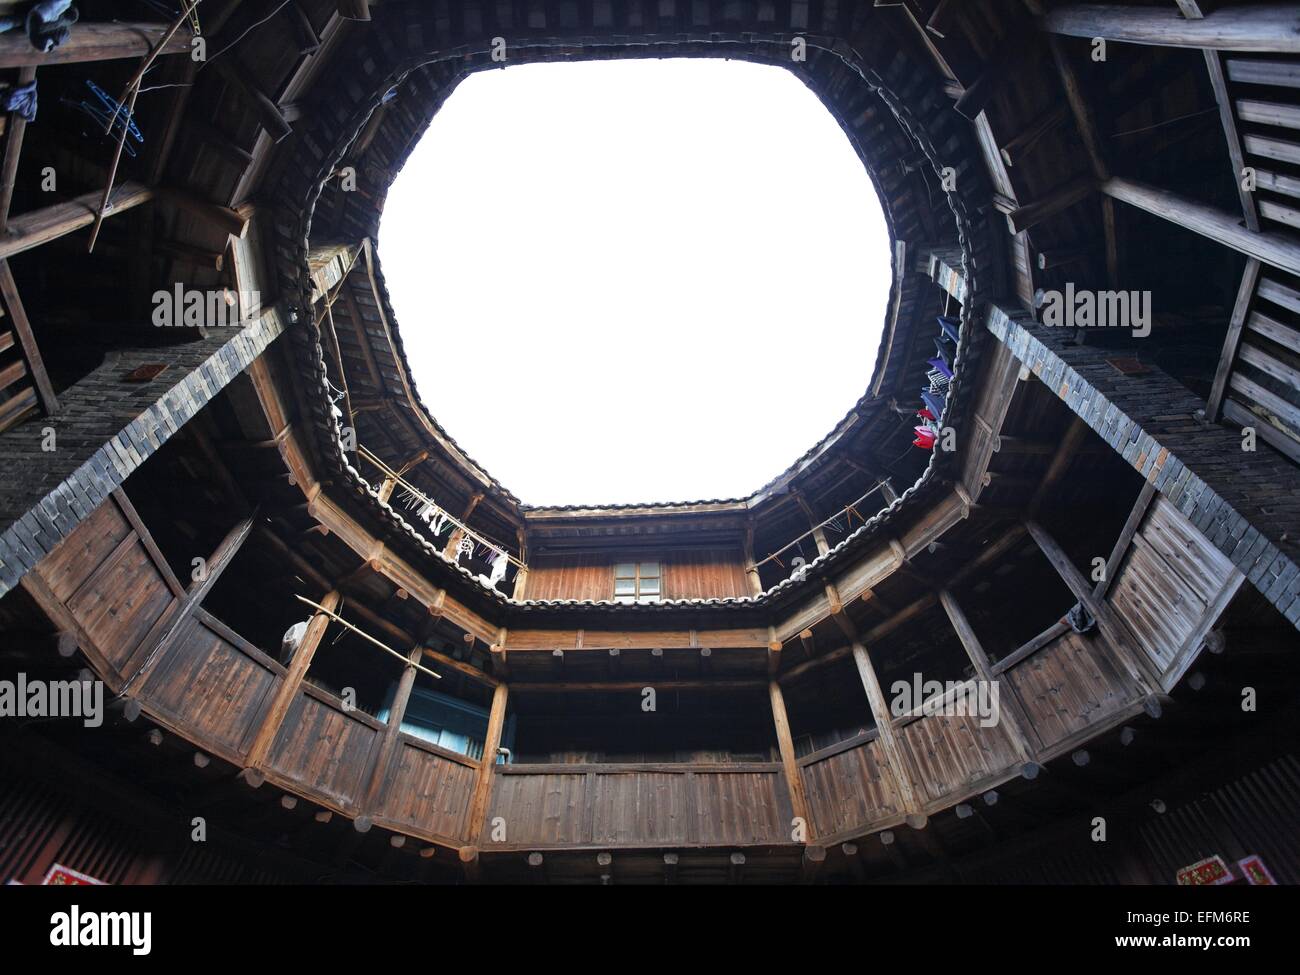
<point x="848" y="508"/>
<point x="397" y="479"/>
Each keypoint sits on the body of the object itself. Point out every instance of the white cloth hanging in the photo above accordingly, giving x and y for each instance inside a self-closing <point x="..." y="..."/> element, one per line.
<point x="291" y="640"/>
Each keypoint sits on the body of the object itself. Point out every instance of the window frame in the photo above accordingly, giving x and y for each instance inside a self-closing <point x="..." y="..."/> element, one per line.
<point x="640" y="581"/>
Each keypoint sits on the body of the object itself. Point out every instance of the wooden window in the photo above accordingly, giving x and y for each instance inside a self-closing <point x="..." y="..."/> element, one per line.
<point x="637" y="582"/>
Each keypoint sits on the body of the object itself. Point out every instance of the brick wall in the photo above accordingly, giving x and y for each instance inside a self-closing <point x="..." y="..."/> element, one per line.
<point x="104" y="430"/>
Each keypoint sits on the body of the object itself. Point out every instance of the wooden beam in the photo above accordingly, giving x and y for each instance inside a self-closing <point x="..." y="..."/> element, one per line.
<point x="478" y="809"/>
<point x="288" y="689"/>
<point x="91" y="42"/>
<point x="1062" y="198"/>
<point x="1253" y="28"/>
<point x="354" y="9"/>
<point x="789" y="764"/>
<point x="49" y="223"/>
<point x="1278" y="250"/>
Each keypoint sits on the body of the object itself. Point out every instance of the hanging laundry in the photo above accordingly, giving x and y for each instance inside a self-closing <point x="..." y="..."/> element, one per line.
<point x="924" y="438"/>
<point x="951" y="326"/>
<point x="934" y="401"/>
<point x="291" y="640"/>
<point x="49" y="24"/>
<point x="946" y="350"/>
<point x="440" y="523"/>
<point x="465" y="547"/>
<point x="22" y="99"/>
<point x="925" y="414"/>
<point x="499" y="565"/>
<point x="941" y="366"/>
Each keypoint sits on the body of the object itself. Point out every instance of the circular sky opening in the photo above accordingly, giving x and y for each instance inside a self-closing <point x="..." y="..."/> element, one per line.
<point x="636" y="281"/>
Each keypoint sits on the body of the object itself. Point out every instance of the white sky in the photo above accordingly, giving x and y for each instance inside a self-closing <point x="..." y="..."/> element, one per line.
<point x="629" y="281"/>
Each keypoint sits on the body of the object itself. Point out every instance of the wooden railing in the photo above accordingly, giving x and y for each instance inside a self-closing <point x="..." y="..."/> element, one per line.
<point x="643" y="805"/>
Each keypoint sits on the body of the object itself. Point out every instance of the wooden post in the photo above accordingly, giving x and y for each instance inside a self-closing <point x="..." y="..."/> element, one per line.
<point x="789" y="766"/>
<point x="402" y="696"/>
<point x="751" y="570"/>
<point x="1253" y="28"/>
<point x="521" y="575"/>
<point x="288" y="688"/>
<point x="478" y="809"/>
<point x="1008" y="710"/>
<point x="885" y="726"/>
<point x="819" y="536"/>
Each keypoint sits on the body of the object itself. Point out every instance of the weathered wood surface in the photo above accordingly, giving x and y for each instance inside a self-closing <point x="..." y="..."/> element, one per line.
<point x="633" y="806"/>
<point x="105" y="584"/>
<point x="1170" y="585"/>
<point x="850" y="791"/>
<point x="427" y="792"/>
<point x="211" y="686"/>
<point x="1067" y="686"/>
<point x="951" y="756"/>
<point x="323" y="749"/>
<point x="1273" y="27"/>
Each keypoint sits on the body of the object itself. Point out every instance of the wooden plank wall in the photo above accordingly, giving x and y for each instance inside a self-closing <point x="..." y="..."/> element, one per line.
<point x="1171" y="587"/>
<point x="428" y="792"/>
<point x="323" y="750"/>
<point x="212" y="686"/>
<point x="953" y="757"/>
<point x="849" y="790"/>
<point x="106" y="584"/>
<point x="1068" y="687"/>
<point x="687" y="574"/>
<point x="550" y="806"/>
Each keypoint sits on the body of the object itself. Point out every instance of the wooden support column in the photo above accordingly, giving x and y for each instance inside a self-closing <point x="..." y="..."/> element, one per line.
<point x="751" y="570"/>
<point x="1275" y="27"/>
<point x="885" y="727"/>
<point x="379" y="772"/>
<point x="819" y="536"/>
<point x="1275" y="249"/>
<point x="478" y="809"/>
<point x="521" y="574"/>
<point x="789" y="766"/>
<point x="288" y="689"/>
<point x="1009" y="709"/>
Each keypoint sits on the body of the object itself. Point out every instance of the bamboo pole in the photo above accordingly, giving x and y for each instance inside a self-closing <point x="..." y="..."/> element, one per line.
<point x="362" y="633"/>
